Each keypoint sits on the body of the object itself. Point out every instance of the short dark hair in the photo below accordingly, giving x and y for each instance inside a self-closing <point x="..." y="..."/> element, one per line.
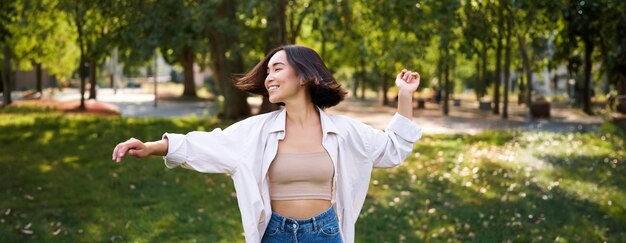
<point x="324" y="90"/>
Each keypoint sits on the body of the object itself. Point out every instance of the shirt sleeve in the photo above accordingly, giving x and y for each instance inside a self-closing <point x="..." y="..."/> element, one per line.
<point x="217" y="151"/>
<point x="390" y="147"/>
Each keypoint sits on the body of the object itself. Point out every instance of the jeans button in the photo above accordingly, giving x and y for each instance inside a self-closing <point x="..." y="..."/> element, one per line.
<point x="294" y="225"/>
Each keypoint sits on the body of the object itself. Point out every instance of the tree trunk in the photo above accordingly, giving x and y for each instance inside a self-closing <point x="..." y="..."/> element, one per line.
<point x="82" y="81"/>
<point x="446" y="84"/>
<point x="81" y="44"/>
<point x="498" y="76"/>
<point x="478" y="78"/>
<point x="235" y="101"/>
<point x="483" y="81"/>
<point x="527" y="69"/>
<point x="38" y="73"/>
<point x="92" y="78"/>
<point x="6" y="80"/>
<point x="363" y="87"/>
<point x="507" y="65"/>
<point x="276" y="31"/>
<point x="621" y="83"/>
<point x="355" y="83"/>
<point x="385" y="88"/>
<point x="552" y="70"/>
<point x="440" y="77"/>
<point x="188" y="59"/>
<point x="113" y="71"/>
<point x="587" y="83"/>
<point x="222" y="41"/>
<point x="363" y="77"/>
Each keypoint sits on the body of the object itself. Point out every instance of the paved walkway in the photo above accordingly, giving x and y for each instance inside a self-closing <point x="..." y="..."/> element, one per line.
<point x="466" y="118"/>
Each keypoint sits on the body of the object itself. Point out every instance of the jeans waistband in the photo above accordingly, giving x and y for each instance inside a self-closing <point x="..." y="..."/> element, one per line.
<point x="313" y="223"/>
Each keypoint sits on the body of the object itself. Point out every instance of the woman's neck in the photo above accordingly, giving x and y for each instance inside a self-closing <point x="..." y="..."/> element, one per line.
<point x="301" y="113"/>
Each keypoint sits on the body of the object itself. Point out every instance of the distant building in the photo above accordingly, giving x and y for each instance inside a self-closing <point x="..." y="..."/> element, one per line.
<point x="25" y="80"/>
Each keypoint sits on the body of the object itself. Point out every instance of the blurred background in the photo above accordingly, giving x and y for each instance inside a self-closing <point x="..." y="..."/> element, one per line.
<point x="522" y="103"/>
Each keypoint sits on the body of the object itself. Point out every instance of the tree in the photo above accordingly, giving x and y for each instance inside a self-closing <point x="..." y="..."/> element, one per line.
<point x="182" y="34"/>
<point x="396" y="26"/>
<point x="276" y="35"/>
<point x="584" y="21"/>
<point x="7" y="18"/>
<point x="227" y="59"/>
<point x="477" y="31"/>
<point x="91" y="29"/>
<point x="446" y="17"/>
<point x="498" y="73"/>
<point x="533" y="26"/>
<point x="42" y="38"/>
<point x="600" y="26"/>
<point x="506" y="11"/>
<point x="137" y="35"/>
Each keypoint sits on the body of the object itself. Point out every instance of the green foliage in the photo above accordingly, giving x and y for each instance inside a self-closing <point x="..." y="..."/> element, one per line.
<point x="359" y="37"/>
<point x="40" y="33"/>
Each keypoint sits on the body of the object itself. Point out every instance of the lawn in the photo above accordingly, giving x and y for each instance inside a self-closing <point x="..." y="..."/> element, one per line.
<point x="59" y="184"/>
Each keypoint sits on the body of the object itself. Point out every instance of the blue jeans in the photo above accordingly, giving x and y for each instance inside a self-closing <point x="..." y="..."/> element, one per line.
<point x="321" y="228"/>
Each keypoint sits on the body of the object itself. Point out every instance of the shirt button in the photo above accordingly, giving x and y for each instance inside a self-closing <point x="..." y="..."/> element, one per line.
<point x="294" y="225"/>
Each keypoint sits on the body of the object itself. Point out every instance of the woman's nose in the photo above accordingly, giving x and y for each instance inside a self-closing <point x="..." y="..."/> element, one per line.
<point x="269" y="77"/>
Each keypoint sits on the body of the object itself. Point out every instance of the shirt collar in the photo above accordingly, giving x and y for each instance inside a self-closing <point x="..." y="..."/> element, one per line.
<point x="328" y="126"/>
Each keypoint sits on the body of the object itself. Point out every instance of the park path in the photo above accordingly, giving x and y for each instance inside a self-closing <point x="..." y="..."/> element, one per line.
<point x="466" y="118"/>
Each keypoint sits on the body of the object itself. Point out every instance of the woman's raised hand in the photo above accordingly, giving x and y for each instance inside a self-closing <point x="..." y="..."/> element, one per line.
<point x="408" y="81"/>
<point x="133" y="147"/>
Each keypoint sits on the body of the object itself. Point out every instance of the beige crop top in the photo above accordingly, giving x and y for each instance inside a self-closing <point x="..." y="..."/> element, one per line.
<point x="294" y="176"/>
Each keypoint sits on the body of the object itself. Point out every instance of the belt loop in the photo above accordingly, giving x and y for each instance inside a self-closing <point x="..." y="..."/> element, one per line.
<point x="314" y="225"/>
<point x="282" y="226"/>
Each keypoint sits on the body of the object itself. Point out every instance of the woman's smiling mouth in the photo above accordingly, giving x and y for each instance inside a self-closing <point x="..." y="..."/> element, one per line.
<point x="272" y="87"/>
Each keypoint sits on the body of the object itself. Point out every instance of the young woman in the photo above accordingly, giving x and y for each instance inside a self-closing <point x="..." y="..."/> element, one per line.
<point x="300" y="175"/>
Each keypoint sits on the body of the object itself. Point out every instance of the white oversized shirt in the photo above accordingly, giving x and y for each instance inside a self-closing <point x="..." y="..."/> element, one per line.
<point x="246" y="149"/>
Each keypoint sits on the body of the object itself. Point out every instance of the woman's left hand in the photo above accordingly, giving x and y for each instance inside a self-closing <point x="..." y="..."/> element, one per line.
<point x="408" y="81"/>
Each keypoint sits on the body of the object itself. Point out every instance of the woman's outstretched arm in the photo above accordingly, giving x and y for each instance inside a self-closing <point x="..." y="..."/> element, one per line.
<point x="139" y="149"/>
<point x="407" y="83"/>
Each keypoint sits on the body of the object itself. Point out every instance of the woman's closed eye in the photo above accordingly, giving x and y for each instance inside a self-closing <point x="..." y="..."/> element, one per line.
<point x="275" y="70"/>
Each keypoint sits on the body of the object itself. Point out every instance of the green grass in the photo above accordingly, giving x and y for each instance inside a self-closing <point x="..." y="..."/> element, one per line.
<point x="500" y="186"/>
<point x="57" y="183"/>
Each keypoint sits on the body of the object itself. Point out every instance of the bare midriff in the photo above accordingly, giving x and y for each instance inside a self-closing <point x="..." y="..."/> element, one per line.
<point x="300" y="209"/>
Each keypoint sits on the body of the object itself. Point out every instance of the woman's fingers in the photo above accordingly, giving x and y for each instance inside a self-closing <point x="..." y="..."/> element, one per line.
<point x="121" y="151"/>
<point x="414" y="77"/>
<point x="406" y="75"/>
<point x="129" y="147"/>
<point x="116" y="151"/>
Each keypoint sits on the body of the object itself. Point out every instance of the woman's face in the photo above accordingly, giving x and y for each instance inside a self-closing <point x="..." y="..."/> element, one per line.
<point x="282" y="82"/>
